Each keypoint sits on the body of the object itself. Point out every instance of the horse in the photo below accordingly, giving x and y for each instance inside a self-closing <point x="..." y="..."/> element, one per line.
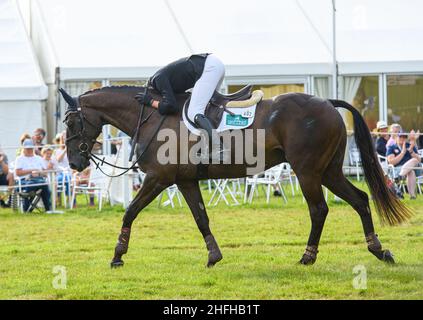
<point x="304" y="130"/>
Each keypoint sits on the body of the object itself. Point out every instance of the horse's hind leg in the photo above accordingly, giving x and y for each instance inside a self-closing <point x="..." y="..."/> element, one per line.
<point x="335" y="180"/>
<point x="192" y="194"/>
<point x="312" y="191"/>
<point x="150" y="190"/>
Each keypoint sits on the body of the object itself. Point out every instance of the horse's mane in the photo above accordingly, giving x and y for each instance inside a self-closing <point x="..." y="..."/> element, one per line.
<point x="115" y="88"/>
<point x="129" y="89"/>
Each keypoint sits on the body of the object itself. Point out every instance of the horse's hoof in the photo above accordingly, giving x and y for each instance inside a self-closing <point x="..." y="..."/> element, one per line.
<point x="214" y="258"/>
<point x="116" y="264"/>
<point x="388" y="257"/>
<point x="383" y="255"/>
<point x="307" y="260"/>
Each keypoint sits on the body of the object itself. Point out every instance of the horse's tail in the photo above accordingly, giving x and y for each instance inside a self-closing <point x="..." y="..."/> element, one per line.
<point x="389" y="208"/>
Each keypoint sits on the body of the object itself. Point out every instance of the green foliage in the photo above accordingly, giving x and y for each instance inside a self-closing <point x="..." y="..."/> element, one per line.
<point x="261" y="245"/>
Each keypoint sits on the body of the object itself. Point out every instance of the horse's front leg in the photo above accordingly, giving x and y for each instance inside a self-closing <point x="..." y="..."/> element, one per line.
<point x="192" y="194"/>
<point x="150" y="190"/>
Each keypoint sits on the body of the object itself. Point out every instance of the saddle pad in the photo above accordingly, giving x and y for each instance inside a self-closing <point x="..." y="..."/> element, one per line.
<point x="242" y="118"/>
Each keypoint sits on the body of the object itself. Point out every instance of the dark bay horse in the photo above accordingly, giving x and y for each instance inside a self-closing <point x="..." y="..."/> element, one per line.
<point x="306" y="131"/>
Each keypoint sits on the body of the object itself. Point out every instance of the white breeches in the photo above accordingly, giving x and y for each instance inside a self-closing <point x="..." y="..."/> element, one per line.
<point x="210" y="80"/>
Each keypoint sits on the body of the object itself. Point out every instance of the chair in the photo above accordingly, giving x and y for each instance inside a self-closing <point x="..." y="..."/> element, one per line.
<point x="271" y="178"/>
<point x="287" y="176"/>
<point x="96" y="185"/>
<point x="387" y="168"/>
<point x="34" y="195"/>
<point x="61" y="187"/>
<point x="355" y="161"/>
<point x="171" y="192"/>
<point x="223" y="191"/>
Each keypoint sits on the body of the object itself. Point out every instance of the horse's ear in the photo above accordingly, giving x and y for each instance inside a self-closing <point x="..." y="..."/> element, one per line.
<point x="70" y="101"/>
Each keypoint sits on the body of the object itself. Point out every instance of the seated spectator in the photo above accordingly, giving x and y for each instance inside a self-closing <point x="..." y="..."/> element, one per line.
<point x="21" y="140"/>
<point x="49" y="162"/>
<point x="393" y="130"/>
<point x="29" y="167"/>
<point x="56" y="140"/>
<point x="382" y="129"/>
<point x="38" y="137"/>
<point x="6" y="178"/>
<point x="404" y="157"/>
<point x="60" y="154"/>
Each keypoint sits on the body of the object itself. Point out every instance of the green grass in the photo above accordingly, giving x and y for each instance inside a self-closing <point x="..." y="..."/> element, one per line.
<point x="261" y="245"/>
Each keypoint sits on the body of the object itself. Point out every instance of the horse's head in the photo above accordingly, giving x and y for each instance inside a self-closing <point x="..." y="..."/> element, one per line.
<point x="82" y="130"/>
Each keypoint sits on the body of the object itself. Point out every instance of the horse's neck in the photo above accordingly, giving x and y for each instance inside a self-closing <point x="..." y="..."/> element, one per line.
<point x="120" y="114"/>
<point x="125" y="121"/>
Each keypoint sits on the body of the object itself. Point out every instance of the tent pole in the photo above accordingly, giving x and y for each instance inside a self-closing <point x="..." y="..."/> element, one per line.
<point x="334" y="62"/>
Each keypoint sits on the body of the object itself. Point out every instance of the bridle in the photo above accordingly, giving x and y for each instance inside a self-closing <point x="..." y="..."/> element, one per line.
<point x="84" y="146"/>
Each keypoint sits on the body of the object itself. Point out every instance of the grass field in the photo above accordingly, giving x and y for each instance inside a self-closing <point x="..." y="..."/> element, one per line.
<point x="261" y="245"/>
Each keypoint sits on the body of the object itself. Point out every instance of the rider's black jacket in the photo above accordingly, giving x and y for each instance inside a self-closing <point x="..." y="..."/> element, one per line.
<point x="177" y="77"/>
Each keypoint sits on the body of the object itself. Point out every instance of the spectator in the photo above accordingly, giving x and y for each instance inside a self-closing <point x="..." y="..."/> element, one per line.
<point x="61" y="157"/>
<point x="6" y="177"/>
<point x="24" y="137"/>
<point x="394" y="130"/>
<point x="382" y="129"/>
<point x="21" y="140"/>
<point x="60" y="153"/>
<point x="29" y="167"/>
<point x="404" y="157"/>
<point x="49" y="162"/>
<point x="56" y="140"/>
<point x="38" y="137"/>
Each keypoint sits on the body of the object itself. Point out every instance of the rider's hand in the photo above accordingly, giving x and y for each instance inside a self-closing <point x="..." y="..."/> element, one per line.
<point x="155" y="104"/>
<point x="143" y="98"/>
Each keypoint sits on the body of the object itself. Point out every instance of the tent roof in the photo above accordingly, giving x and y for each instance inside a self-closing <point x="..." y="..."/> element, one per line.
<point x="132" y="38"/>
<point x="20" y="76"/>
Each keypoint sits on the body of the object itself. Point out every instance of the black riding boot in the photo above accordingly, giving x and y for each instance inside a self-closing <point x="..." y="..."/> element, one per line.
<point x="214" y="141"/>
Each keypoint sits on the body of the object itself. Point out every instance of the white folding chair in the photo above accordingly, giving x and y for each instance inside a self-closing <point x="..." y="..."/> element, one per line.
<point x="171" y="192"/>
<point x="270" y="178"/>
<point x="355" y="161"/>
<point x="287" y="176"/>
<point x="96" y="185"/>
<point x="223" y="191"/>
<point x="61" y="187"/>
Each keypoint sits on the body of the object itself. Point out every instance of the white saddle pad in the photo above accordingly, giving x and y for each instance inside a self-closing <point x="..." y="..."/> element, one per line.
<point x="242" y="118"/>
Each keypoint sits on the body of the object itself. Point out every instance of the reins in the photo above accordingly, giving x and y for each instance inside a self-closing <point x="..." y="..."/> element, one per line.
<point x="84" y="147"/>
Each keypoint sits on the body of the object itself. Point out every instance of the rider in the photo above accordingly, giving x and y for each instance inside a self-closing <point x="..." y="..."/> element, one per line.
<point x="202" y="72"/>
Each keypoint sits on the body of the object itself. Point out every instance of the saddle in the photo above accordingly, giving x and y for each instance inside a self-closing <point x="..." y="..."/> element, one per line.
<point x="218" y="104"/>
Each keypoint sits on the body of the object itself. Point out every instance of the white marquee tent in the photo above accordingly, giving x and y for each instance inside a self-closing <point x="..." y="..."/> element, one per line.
<point x="131" y="38"/>
<point x="22" y="89"/>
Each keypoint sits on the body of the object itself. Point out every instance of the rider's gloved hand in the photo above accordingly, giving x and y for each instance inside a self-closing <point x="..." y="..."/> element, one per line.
<point x="144" y="98"/>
